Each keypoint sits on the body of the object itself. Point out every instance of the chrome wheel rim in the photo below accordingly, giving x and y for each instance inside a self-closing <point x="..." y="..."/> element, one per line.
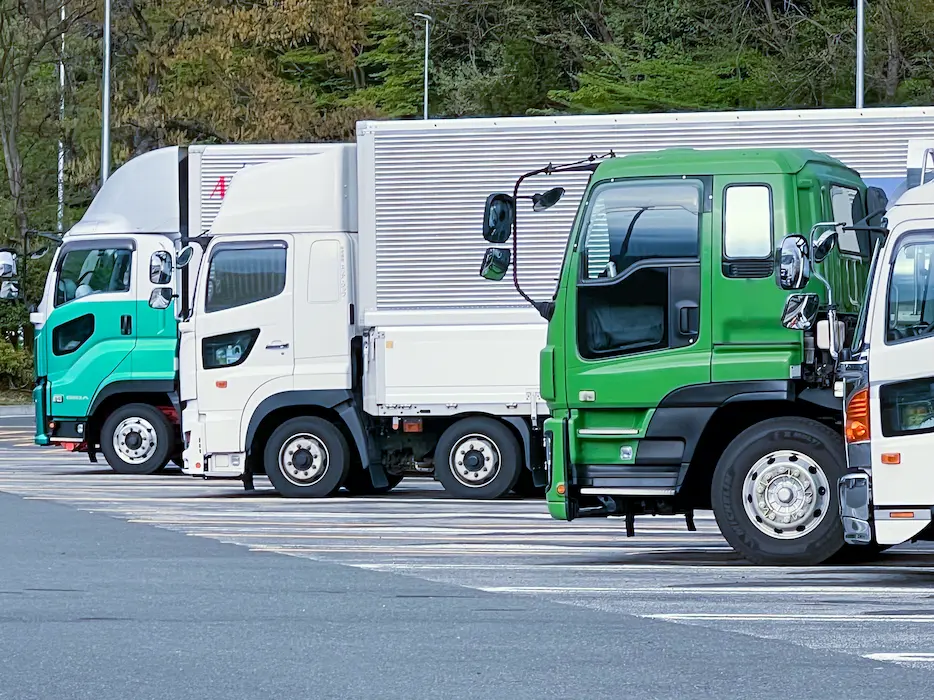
<point x="303" y="459"/>
<point x="786" y="494"/>
<point x="135" y="440"/>
<point x="475" y="460"/>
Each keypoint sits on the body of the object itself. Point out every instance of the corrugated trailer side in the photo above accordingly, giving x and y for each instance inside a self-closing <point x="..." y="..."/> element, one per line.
<point x="423" y="185"/>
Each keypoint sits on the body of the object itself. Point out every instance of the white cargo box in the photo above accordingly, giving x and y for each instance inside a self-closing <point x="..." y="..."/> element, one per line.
<point x="423" y="185"/>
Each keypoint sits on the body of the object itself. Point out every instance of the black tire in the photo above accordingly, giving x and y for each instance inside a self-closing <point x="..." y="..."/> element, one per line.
<point x="318" y="433"/>
<point x="359" y="483"/>
<point x="496" y="436"/>
<point x="525" y="487"/>
<point x="801" y="435"/>
<point x="162" y="434"/>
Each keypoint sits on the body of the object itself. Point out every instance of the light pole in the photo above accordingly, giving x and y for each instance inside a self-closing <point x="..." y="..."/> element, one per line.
<point x="860" y="51"/>
<point x="429" y="20"/>
<point x="105" y="107"/>
<point x="61" y="127"/>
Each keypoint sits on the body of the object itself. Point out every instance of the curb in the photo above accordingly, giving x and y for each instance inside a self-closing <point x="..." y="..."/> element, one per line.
<point x="17" y="411"/>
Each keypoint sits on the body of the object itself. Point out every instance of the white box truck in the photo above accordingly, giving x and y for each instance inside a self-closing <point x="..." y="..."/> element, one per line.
<point x="341" y="317"/>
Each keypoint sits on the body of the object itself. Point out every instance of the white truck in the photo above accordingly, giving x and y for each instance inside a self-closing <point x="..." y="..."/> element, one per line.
<point x="340" y="320"/>
<point x="887" y="497"/>
<point x="106" y="362"/>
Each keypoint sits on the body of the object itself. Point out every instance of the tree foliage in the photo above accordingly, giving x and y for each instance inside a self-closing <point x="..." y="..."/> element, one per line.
<point x="300" y="70"/>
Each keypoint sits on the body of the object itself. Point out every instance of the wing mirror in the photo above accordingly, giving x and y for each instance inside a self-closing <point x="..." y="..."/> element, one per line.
<point x="7" y="264"/>
<point x="823" y="245"/>
<point x="160" y="267"/>
<point x="495" y="263"/>
<point x="160" y="298"/>
<point x="794" y="268"/>
<point x="541" y="202"/>
<point x="800" y="311"/>
<point x="498" y="218"/>
<point x="184" y="257"/>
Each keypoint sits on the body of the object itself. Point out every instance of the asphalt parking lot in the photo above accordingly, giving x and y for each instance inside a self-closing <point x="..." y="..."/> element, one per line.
<point x="683" y="599"/>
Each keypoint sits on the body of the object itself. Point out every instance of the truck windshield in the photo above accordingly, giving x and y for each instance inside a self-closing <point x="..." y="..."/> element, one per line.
<point x="859" y="336"/>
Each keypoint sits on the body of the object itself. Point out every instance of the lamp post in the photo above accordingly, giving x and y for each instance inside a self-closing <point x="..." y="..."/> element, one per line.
<point x="61" y="127"/>
<point x="429" y="20"/>
<point x="105" y="107"/>
<point x="860" y="51"/>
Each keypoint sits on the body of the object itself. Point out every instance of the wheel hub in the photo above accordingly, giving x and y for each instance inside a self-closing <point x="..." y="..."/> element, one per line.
<point x="135" y="440"/>
<point x="475" y="460"/>
<point x="303" y="459"/>
<point x="786" y="494"/>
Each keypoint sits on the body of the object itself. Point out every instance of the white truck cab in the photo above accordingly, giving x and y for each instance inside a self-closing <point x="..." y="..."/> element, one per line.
<point x="273" y="309"/>
<point x="888" y="495"/>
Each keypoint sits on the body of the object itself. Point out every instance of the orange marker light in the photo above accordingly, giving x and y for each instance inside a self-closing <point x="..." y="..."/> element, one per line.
<point x="857" y="417"/>
<point x="561" y="489"/>
<point x="891" y="458"/>
<point x="903" y="514"/>
<point x="222" y="384"/>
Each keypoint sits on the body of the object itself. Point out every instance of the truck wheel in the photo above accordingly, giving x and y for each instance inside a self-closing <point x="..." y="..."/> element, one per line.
<point x="307" y="458"/>
<point x="774" y="492"/>
<point x="137" y="439"/>
<point x="478" y="458"/>
<point x="358" y="482"/>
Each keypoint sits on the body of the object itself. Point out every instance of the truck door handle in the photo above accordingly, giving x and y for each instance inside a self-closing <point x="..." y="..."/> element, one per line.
<point x="277" y="346"/>
<point x="126" y="325"/>
<point x="687" y="318"/>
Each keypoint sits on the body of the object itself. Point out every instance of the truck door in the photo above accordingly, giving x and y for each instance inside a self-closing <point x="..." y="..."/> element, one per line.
<point x="639" y="320"/>
<point x="901" y="388"/>
<point x="243" y="332"/>
<point x="90" y="331"/>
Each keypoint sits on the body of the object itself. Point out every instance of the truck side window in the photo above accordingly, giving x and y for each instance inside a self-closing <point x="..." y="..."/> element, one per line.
<point x="747" y="222"/>
<point x="72" y="334"/>
<point x="847" y="206"/>
<point x="623" y="297"/>
<point x="907" y="407"/>
<point x="911" y="294"/>
<point x="244" y="275"/>
<point x="95" y="271"/>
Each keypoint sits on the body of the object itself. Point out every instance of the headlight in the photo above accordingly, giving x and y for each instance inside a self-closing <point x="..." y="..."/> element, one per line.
<point x="227" y="350"/>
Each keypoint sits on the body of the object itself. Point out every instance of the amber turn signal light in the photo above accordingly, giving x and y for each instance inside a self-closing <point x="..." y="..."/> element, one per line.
<point x="857" y="417"/>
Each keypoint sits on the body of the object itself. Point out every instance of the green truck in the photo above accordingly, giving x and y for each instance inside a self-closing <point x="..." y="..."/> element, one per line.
<point x="671" y="381"/>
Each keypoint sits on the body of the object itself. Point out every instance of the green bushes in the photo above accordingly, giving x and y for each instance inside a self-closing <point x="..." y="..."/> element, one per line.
<point x="16" y="369"/>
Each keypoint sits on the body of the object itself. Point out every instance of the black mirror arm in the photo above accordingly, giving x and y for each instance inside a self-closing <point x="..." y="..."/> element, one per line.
<point x="545" y="308"/>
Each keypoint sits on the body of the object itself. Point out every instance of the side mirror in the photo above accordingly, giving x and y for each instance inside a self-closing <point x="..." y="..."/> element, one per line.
<point x="541" y="202"/>
<point x="498" y="217"/>
<point x="495" y="263"/>
<point x="794" y="269"/>
<point x="800" y="311"/>
<point x="160" y="298"/>
<point x="823" y="245"/>
<point x="9" y="290"/>
<point x="160" y="267"/>
<point x="184" y="257"/>
<point x="7" y="264"/>
<point x="39" y="253"/>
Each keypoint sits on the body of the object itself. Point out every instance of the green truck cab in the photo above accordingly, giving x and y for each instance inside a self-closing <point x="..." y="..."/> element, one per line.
<point x="671" y="385"/>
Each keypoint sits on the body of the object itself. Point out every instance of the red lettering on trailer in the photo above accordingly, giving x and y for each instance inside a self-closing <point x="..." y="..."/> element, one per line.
<point x="220" y="187"/>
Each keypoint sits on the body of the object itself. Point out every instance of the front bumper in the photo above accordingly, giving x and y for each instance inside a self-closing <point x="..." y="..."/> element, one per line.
<point x="194" y="460"/>
<point x="855" y="495"/>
